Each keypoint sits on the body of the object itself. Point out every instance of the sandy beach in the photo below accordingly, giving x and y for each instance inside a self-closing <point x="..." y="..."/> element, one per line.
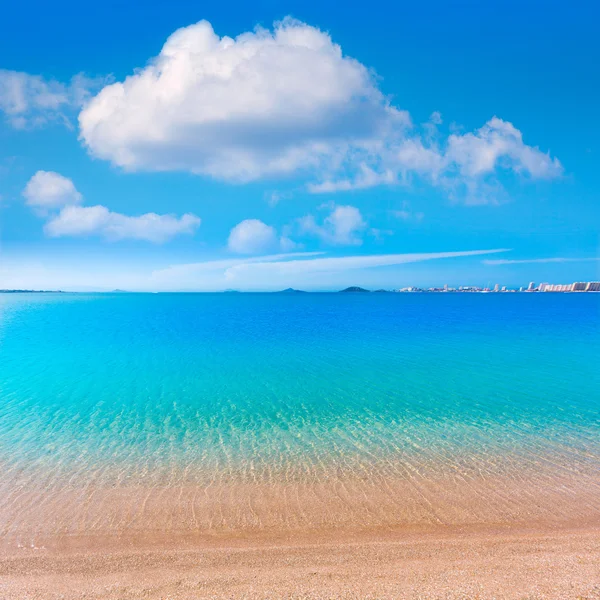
<point x="504" y="537"/>
<point x="402" y="530"/>
<point x="490" y="563"/>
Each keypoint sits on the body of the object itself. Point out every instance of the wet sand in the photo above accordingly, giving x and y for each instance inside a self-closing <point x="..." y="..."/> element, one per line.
<point x="55" y="512"/>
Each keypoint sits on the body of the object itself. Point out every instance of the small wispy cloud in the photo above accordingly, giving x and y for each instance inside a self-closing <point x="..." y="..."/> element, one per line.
<point x="406" y="214"/>
<point x="30" y="101"/>
<point x="556" y="259"/>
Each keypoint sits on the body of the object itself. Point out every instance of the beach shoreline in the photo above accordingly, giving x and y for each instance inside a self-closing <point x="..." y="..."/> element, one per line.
<point x="110" y="516"/>
<point x="180" y="448"/>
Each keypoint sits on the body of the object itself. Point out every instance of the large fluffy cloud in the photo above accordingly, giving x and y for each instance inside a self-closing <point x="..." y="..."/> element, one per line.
<point x="273" y="103"/>
<point x="265" y="103"/>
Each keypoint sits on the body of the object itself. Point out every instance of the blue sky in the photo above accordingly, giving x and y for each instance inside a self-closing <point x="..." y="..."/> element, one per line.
<point x="264" y="145"/>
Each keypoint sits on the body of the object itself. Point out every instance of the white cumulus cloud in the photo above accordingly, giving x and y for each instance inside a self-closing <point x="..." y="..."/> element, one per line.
<point x="98" y="220"/>
<point x="55" y="197"/>
<point x="266" y="103"/>
<point x="467" y="165"/>
<point x="48" y="190"/>
<point x="251" y="236"/>
<point x="342" y="226"/>
<point x="271" y="103"/>
<point x="481" y="152"/>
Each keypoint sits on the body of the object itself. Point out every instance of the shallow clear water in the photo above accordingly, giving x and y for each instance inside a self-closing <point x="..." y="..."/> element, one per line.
<point x="173" y="379"/>
<point x="172" y="389"/>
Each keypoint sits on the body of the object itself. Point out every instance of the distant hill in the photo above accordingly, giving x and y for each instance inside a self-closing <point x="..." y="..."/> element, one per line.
<point x="291" y="291"/>
<point x="382" y="290"/>
<point x="354" y="288"/>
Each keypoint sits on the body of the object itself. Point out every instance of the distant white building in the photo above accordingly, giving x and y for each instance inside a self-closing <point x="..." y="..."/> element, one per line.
<point x="558" y="287"/>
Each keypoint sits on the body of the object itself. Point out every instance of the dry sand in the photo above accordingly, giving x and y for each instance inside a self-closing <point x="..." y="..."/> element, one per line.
<point x="492" y="563"/>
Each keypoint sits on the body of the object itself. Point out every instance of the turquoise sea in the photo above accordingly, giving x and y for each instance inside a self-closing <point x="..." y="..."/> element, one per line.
<point x="169" y="389"/>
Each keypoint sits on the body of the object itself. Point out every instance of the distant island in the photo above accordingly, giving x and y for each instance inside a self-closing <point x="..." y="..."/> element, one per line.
<point x="291" y="291"/>
<point x="354" y="288"/>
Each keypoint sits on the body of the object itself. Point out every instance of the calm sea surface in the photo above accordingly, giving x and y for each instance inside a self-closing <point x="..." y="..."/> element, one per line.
<point x="166" y="389"/>
<point x="172" y="379"/>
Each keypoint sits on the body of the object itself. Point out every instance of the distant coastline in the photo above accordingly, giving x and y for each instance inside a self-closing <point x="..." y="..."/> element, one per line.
<point x="577" y="287"/>
<point x="32" y="292"/>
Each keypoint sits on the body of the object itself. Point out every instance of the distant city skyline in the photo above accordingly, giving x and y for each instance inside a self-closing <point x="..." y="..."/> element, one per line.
<point x="578" y="286"/>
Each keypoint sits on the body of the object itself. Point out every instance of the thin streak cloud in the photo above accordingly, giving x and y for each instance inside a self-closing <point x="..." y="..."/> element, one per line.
<point x="558" y="259"/>
<point x="342" y="263"/>
<point x="299" y="269"/>
<point x="178" y="273"/>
